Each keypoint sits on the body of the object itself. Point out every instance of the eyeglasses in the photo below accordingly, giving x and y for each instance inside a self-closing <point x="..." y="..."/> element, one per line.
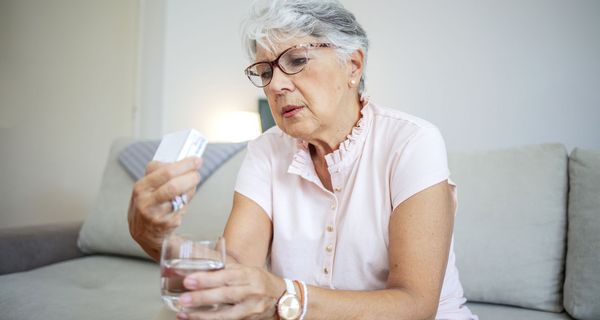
<point x="291" y="61"/>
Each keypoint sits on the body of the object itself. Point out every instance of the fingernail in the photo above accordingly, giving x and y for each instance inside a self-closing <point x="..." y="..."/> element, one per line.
<point x="190" y="283"/>
<point x="182" y="316"/>
<point x="185" y="299"/>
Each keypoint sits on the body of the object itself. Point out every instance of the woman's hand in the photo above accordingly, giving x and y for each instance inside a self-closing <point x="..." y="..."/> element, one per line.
<point x="252" y="291"/>
<point x="151" y="215"/>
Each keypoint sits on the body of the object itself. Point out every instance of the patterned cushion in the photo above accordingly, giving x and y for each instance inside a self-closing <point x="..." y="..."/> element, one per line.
<point x="135" y="157"/>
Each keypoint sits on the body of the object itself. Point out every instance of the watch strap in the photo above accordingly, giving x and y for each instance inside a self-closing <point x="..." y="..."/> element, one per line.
<point x="289" y="306"/>
<point x="304" y="289"/>
<point x="289" y="287"/>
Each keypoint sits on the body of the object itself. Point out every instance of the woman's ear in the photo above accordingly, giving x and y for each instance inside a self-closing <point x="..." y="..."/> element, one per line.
<point x="356" y="63"/>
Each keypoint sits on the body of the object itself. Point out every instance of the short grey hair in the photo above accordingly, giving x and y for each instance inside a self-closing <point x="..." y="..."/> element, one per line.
<point x="273" y="21"/>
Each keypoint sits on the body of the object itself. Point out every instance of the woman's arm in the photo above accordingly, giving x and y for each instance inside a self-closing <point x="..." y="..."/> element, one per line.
<point x="420" y="232"/>
<point x="248" y="232"/>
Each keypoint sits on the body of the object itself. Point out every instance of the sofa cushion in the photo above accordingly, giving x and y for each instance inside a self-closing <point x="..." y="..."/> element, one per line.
<point x="105" y="229"/>
<point x="510" y="227"/>
<point x="582" y="280"/>
<point x="95" y="287"/>
<point x="501" y="312"/>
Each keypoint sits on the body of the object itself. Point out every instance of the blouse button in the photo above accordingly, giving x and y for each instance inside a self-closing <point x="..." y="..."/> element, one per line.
<point x="329" y="248"/>
<point x="338" y="189"/>
<point x="329" y="228"/>
<point x="325" y="270"/>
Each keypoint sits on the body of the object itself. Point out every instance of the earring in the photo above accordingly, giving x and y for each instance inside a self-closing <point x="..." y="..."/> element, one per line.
<point x="353" y="82"/>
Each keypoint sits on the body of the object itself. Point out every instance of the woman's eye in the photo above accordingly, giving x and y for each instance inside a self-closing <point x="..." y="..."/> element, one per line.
<point x="266" y="75"/>
<point x="300" y="61"/>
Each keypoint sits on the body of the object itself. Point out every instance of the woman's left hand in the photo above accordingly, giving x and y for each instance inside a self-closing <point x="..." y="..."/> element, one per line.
<point x="253" y="293"/>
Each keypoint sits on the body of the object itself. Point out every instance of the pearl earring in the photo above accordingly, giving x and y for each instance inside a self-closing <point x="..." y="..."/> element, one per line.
<point x="353" y="82"/>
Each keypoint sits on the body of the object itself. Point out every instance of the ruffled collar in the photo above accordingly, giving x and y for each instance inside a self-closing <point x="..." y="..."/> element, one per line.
<point x="340" y="159"/>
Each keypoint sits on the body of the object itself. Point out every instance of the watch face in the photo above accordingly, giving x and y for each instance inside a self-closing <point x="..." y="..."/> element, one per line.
<point x="288" y="307"/>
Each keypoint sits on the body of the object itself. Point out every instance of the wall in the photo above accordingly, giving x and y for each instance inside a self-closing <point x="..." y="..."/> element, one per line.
<point x="148" y="117"/>
<point x="67" y="88"/>
<point x="490" y="74"/>
<point x="203" y="68"/>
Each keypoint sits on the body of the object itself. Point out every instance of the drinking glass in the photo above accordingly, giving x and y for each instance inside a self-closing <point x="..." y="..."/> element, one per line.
<point x="182" y="255"/>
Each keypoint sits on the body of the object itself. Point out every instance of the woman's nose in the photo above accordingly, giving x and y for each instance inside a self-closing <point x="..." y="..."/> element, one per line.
<point x="280" y="81"/>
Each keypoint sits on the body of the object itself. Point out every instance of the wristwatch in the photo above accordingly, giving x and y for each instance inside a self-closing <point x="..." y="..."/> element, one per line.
<point x="289" y="306"/>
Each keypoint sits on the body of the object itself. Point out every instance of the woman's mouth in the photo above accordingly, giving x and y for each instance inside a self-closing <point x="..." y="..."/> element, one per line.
<point x="290" y="111"/>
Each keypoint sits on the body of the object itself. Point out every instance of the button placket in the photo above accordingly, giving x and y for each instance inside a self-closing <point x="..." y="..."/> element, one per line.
<point x="328" y="252"/>
<point x="336" y="174"/>
<point x="329" y="239"/>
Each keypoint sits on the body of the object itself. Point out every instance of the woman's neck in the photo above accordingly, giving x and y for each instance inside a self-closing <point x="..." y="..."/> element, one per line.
<point x="330" y="140"/>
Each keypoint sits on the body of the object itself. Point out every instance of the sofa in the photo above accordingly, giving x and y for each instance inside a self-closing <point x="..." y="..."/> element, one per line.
<point x="527" y="242"/>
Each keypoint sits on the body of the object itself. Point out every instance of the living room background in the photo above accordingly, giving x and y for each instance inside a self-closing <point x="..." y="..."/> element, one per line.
<point x="75" y="75"/>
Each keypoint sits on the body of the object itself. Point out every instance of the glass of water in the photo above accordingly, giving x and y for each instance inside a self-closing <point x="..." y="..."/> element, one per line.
<point x="182" y="255"/>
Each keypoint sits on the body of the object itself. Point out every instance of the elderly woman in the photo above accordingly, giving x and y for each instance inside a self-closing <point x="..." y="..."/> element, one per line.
<point x="349" y="199"/>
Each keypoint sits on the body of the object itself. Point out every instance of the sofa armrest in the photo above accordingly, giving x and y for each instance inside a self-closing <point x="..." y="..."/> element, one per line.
<point x="26" y="248"/>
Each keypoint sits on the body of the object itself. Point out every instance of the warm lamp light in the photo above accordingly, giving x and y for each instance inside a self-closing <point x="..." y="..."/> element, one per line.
<point x="237" y="126"/>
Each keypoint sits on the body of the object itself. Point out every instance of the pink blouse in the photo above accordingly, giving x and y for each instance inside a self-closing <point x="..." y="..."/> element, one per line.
<point x="339" y="239"/>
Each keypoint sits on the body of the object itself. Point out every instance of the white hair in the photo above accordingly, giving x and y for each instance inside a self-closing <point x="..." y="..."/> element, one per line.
<point x="274" y="21"/>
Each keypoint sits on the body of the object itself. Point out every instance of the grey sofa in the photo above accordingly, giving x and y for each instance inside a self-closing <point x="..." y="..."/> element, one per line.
<point x="527" y="238"/>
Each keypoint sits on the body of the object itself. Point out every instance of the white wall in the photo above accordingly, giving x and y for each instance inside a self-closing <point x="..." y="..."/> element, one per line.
<point x="204" y="63"/>
<point x="148" y="115"/>
<point x="67" y="89"/>
<point x="490" y="74"/>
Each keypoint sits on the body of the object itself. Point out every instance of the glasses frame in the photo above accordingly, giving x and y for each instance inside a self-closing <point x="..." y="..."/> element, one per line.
<point x="275" y="63"/>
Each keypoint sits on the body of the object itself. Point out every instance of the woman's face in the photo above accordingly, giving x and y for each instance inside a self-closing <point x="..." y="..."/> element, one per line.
<point x="310" y="103"/>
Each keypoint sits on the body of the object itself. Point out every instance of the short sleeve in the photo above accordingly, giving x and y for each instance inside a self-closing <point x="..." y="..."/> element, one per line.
<point x="419" y="164"/>
<point x="254" y="176"/>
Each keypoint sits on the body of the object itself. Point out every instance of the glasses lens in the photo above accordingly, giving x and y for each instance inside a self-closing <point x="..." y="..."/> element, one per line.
<point x="260" y="74"/>
<point x="294" y="60"/>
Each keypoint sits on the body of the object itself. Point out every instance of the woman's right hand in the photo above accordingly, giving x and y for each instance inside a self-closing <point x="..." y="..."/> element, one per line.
<point x="151" y="215"/>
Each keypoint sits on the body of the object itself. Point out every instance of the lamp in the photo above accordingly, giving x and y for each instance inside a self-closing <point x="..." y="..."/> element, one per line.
<point x="236" y="126"/>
